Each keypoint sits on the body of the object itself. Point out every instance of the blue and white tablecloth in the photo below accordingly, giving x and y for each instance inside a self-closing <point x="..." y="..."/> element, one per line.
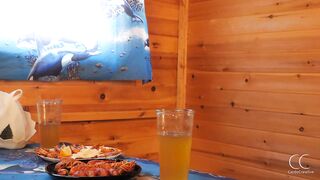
<point x="24" y="164"/>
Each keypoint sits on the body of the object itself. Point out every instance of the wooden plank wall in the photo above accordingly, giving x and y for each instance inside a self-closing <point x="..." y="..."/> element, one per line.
<point x="118" y="113"/>
<point x="254" y="81"/>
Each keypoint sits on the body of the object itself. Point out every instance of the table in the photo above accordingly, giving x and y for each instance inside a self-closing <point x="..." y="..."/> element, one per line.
<point x="24" y="164"/>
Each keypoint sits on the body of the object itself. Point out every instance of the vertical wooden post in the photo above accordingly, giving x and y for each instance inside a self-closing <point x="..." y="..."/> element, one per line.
<point x="182" y="53"/>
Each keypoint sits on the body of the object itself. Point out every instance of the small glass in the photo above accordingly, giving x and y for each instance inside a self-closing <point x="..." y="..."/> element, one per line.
<point x="49" y="119"/>
<point x="174" y="129"/>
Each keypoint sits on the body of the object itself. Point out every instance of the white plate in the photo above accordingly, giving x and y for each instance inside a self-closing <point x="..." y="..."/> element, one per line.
<point x="54" y="160"/>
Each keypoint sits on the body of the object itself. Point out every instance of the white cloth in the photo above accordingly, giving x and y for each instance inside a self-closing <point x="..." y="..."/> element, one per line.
<point x="20" y="122"/>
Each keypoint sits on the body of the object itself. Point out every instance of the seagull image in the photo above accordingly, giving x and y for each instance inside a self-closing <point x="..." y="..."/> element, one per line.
<point x="129" y="11"/>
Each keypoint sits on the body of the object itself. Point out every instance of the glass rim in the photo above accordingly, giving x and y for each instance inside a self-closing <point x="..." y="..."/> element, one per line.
<point x="50" y="101"/>
<point x="178" y="110"/>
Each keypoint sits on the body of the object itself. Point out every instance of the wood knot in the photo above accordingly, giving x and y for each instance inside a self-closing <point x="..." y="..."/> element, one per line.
<point x="193" y="76"/>
<point x="232" y="104"/>
<point x="197" y="126"/>
<point x="298" y="75"/>
<point x="112" y="138"/>
<point x="310" y="63"/>
<point x="264" y="141"/>
<point x="246" y="110"/>
<point x="102" y="96"/>
<point x="153" y="88"/>
<point x="307" y="5"/>
<point x="201" y="45"/>
<point x="271" y="16"/>
<point x="277" y="3"/>
<point x="301" y="129"/>
<point x="246" y="80"/>
<point x="202" y="106"/>
<point x="142" y="114"/>
<point x="225" y="69"/>
<point x="155" y="44"/>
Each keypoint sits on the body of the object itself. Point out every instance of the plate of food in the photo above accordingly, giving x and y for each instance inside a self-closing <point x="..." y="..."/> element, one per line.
<point x="94" y="169"/>
<point x="78" y="152"/>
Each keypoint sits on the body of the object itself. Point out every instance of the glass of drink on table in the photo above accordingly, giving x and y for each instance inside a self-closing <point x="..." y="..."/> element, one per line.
<point x="174" y="129"/>
<point x="49" y="119"/>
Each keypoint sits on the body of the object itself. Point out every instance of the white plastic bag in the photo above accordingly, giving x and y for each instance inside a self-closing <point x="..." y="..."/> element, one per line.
<point x="15" y="123"/>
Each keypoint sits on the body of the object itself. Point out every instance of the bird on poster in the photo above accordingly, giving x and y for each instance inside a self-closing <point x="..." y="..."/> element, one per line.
<point x="129" y="11"/>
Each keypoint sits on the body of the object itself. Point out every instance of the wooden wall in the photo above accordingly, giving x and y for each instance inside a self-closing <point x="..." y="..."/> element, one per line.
<point x="118" y="113"/>
<point x="254" y="81"/>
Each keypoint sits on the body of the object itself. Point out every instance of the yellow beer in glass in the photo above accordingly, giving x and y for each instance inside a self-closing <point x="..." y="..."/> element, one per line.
<point x="49" y="118"/>
<point x="49" y="135"/>
<point x="174" y="133"/>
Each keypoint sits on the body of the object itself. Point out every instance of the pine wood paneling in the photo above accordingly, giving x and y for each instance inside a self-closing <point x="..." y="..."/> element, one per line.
<point x="257" y="158"/>
<point x="295" y="41"/>
<point x="276" y="102"/>
<point x="164" y="44"/>
<point x="294" y="123"/>
<point x="276" y="142"/>
<point x="163" y="9"/>
<point x="283" y="62"/>
<point x="202" y="9"/>
<point x="209" y="162"/>
<point x="275" y="22"/>
<point x="253" y="72"/>
<point x="164" y="27"/>
<point x="306" y="83"/>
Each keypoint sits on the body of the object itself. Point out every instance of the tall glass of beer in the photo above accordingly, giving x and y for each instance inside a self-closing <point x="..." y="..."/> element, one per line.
<point x="49" y="118"/>
<point x="174" y="129"/>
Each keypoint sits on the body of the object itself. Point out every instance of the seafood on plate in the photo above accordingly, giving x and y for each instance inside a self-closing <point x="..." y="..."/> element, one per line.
<point x="92" y="168"/>
<point x="76" y="151"/>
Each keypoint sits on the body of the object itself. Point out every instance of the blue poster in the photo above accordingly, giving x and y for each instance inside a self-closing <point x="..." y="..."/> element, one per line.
<point x="53" y="40"/>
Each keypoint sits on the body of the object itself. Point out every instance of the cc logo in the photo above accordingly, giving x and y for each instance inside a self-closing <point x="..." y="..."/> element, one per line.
<point x="300" y="159"/>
